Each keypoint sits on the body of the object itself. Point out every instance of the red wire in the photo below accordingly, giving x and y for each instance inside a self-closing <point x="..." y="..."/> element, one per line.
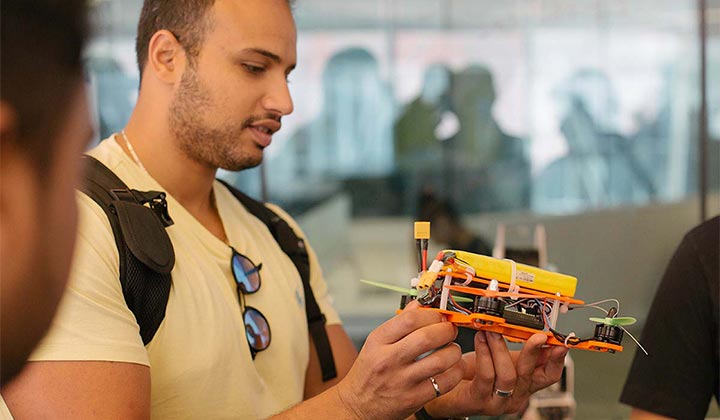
<point x="424" y="259"/>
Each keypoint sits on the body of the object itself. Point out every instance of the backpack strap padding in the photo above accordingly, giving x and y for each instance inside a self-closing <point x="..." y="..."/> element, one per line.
<point x="295" y="249"/>
<point x="146" y="291"/>
<point x="141" y="227"/>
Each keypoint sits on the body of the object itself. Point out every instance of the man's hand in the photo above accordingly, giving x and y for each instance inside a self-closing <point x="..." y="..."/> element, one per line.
<point x="493" y="367"/>
<point x="388" y="380"/>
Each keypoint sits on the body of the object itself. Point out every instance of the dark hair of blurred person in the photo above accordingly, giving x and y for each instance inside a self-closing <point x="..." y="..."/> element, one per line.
<point x="44" y="126"/>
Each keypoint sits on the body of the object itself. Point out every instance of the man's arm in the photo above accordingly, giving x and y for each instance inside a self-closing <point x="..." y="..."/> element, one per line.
<point x="344" y="354"/>
<point x="80" y="390"/>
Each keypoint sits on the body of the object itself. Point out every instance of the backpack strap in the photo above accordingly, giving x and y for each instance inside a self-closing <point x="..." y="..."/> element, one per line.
<point x="295" y="248"/>
<point x="137" y="218"/>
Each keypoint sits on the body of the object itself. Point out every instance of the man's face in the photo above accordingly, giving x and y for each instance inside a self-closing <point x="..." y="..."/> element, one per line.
<point x="39" y="235"/>
<point x="232" y="96"/>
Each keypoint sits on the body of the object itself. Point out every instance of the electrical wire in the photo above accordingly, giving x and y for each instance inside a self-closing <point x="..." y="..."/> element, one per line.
<point x="636" y="341"/>
<point x="594" y="305"/>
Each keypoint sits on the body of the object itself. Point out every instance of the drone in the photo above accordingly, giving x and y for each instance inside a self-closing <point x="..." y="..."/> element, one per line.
<point x="502" y="296"/>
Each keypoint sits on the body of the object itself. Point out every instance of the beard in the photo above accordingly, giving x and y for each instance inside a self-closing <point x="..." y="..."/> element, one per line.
<point x="211" y="145"/>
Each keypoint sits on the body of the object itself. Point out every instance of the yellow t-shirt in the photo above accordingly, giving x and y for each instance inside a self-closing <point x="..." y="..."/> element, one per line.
<point x="200" y="361"/>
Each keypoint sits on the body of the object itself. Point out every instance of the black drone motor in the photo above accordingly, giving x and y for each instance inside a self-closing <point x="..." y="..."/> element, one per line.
<point x="609" y="333"/>
<point x="488" y="305"/>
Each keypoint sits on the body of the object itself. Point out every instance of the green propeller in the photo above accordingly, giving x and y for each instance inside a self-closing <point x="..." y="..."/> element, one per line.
<point x="406" y="290"/>
<point x="615" y="322"/>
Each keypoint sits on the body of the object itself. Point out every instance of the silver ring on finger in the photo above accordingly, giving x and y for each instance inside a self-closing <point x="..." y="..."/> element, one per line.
<point x="436" y="387"/>
<point x="503" y="394"/>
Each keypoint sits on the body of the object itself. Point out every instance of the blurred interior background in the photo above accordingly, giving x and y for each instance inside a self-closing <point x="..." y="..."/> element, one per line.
<point x="584" y="116"/>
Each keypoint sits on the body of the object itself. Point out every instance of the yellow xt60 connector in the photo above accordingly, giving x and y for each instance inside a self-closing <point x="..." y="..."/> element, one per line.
<point x="422" y="230"/>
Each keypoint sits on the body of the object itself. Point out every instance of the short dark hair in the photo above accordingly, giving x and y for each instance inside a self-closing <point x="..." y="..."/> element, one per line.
<point x="41" y="54"/>
<point x="186" y="19"/>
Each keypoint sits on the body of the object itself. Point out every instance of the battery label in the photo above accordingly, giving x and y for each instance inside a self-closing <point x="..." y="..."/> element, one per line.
<point x="525" y="276"/>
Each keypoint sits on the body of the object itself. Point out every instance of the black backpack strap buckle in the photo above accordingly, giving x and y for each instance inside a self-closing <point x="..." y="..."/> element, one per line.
<point x="158" y="203"/>
<point x="156" y="200"/>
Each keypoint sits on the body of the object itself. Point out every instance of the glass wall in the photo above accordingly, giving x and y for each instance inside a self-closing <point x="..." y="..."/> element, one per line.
<point x="556" y="107"/>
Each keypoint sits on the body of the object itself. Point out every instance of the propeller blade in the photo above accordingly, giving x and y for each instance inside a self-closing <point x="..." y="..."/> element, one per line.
<point x="394" y="288"/>
<point x="407" y="290"/>
<point x="617" y="321"/>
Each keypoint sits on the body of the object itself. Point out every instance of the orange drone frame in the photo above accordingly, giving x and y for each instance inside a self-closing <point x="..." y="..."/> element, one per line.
<point x="505" y="297"/>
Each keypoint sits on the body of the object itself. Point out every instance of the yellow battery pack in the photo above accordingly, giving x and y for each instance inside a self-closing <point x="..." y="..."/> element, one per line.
<point x="525" y="275"/>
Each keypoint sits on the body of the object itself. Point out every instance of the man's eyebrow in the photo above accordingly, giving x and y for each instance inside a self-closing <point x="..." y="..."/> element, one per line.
<point x="268" y="54"/>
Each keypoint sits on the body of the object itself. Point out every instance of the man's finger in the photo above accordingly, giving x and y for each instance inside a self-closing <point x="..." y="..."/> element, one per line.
<point x="403" y="324"/>
<point x="527" y="362"/>
<point x="423" y="340"/>
<point x="528" y="358"/>
<point x="469" y="366"/>
<point x="414" y="304"/>
<point x="505" y="376"/>
<point x="484" y="369"/>
<point x="435" y="363"/>
<point x="553" y="367"/>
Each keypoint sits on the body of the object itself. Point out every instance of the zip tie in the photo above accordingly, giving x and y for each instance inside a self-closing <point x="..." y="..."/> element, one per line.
<point x="569" y="336"/>
<point x="514" y="288"/>
<point x="445" y="293"/>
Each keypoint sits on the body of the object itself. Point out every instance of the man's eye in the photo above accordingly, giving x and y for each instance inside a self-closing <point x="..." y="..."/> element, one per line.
<point x="253" y="69"/>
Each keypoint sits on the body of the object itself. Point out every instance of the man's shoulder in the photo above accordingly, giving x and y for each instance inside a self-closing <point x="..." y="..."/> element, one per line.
<point x="706" y="234"/>
<point x="108" y="152"/>
<point x="704" y="241"/>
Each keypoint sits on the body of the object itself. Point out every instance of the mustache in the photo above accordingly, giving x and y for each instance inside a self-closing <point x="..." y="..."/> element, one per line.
<point x="255" y="118"/>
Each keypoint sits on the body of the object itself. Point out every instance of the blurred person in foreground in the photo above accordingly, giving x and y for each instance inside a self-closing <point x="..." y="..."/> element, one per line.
<point x="44" y="126"/>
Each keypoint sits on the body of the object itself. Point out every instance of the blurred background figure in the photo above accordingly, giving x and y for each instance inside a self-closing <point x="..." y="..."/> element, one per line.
<point x="600" y="167"/>
<point x="420" y="131"/>
<point x="351" y="135"/>
<point x="488" y="169"/>
<point x="425" y="122"/>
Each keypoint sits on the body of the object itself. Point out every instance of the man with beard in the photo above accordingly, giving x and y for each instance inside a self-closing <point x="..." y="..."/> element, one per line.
<point x="213" y="92"/>
<point x="44" y="126"/>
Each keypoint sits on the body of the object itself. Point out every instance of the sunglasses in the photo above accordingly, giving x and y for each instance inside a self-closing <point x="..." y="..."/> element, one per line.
<point x="247" y="280"/>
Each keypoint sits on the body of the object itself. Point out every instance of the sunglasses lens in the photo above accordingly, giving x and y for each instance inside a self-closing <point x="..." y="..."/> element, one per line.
<point x="256" y="329"/>
<point x="246" y="273"/>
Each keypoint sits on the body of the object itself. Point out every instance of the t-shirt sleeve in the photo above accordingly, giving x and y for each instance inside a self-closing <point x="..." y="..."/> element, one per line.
<point x="676" y="379"/>
<point x="93" y="322"/>
<point x="317" y="281"/>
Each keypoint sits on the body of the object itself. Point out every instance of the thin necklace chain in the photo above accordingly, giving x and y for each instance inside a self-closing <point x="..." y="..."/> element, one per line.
<point x="136" y="158"/>
<point x="132" y="150"/>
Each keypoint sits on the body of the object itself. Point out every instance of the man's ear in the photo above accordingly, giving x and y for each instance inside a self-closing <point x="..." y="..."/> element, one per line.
<point x="166" y="57"/>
